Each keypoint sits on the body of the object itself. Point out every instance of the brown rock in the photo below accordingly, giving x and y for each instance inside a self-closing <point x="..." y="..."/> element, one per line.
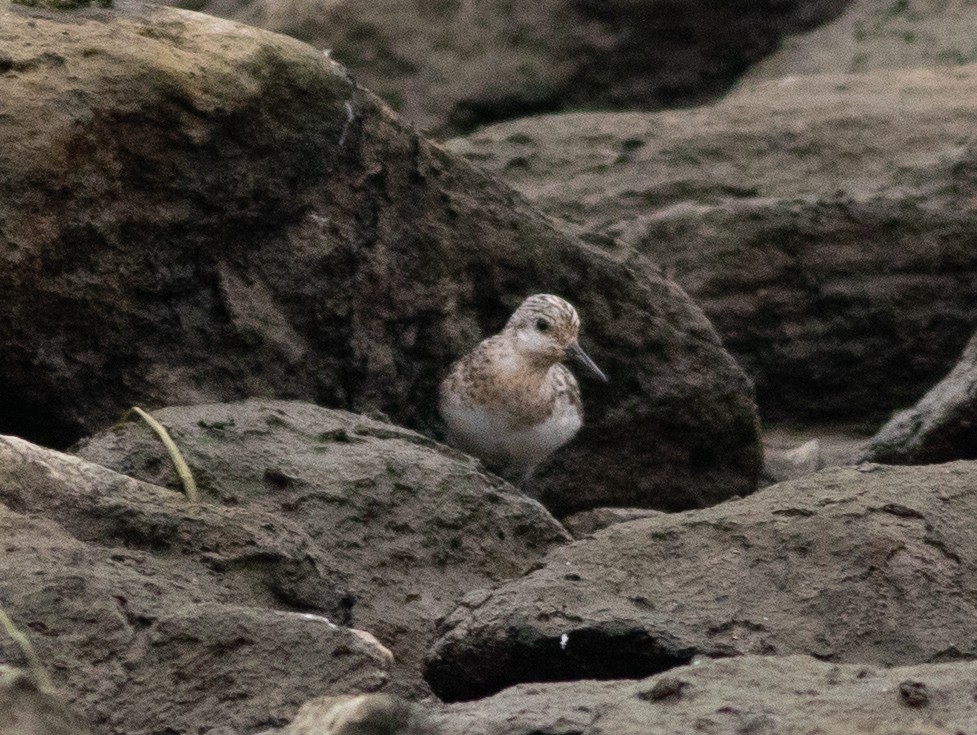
<point x="145" y="627"/>
<point x="733" y="696"/>
<point x="255" y="557"/>
<point x="941" y="427"/>
<point x="842" y="565"/>
<point x="665" y="687"/>
<point x="824" y="223"/>
<point x="196" y="211"/>
<point x="793" y="450"/>
<point x="412" y="524"/>
<point x="455" y="65"/>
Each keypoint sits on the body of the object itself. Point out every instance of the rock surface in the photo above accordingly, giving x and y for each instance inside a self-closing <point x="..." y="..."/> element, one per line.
<point x="152" y="615"/>
<point x="845" y="565"/>
<point x="411" y="524"/>
<point x="458" y="64"/>
<point x="824" y="223"/>
<point x="587" y="522"/>
<point x="942" y="426"/>
<point x="871" y="35"/>
<point x="749" y="694"/>
<point x="194" y="210"/>
<point x="27" y="710"/>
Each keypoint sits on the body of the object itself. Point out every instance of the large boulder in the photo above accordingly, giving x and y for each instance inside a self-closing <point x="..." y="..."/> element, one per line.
<point x="410" y="524"/>
<point x="152" y="614"/>
<point x="454" y="65"/>
<point x="194" y="210"/>
<point x="873" y="565"/>
<point x="824" y="223"/>
<point x="736" y="696"/>
<point x="942" y="426"/>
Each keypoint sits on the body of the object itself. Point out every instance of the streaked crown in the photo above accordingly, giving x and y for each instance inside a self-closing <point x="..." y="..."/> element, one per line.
<point x="548" y="315"/>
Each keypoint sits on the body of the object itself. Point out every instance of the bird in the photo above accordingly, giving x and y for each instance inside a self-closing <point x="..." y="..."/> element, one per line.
<point x="511" y="402"/>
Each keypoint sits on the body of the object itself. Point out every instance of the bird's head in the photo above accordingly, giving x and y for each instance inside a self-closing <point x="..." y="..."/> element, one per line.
<point x="545" y="329"/>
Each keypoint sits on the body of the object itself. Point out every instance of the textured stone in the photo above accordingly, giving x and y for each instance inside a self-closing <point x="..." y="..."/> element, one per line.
<point x="367" y="714"/>
<point x="411" y="524"/>
<point x="788" y="464"/>
<point x="874" y="565"/>
<point x="149" y="618"/>
<point x="735" y="696"/>
<point x="588" y="521"/>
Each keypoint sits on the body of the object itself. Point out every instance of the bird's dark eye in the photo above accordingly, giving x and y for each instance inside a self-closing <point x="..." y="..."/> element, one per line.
<point x="542" y="325"/>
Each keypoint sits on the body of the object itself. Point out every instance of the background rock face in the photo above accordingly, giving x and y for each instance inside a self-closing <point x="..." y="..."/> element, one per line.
<point x="456" y="64"/>
<point x="194" y="210"/>
<point x="749" y="694"/>
<point x="150" y="613"/>
<point x="872" y="35"/>
<point x="412" y="525"/>
<point x="842" y="565"/>
<point x="824" y="223"/>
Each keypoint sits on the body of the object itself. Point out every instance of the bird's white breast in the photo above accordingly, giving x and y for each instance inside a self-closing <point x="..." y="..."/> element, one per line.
<point x="490" y="435"/>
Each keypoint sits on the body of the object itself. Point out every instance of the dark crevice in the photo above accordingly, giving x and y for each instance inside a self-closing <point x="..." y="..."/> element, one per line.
<point x="608" y="652"/>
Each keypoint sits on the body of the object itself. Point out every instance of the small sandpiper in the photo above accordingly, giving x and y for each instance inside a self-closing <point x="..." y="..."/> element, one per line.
<point x="510" y="401"/>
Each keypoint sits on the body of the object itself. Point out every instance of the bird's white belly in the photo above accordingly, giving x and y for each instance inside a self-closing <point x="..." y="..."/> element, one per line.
<point x="492" y="438"/>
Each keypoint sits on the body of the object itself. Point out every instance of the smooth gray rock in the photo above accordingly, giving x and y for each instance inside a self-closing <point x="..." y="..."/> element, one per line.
<point x="788" y="464"/>
<point x="368" y="714"/>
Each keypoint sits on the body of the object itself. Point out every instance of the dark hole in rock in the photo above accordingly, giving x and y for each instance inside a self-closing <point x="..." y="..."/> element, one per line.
<point x="590" y="653"/>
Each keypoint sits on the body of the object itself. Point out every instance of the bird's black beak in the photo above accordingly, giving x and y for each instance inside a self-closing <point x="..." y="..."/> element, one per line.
<point x="575" y="352"/>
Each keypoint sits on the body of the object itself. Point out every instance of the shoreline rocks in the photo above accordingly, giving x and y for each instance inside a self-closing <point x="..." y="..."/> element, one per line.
<point x="841" y="565"/>
<point x="216" y="212"/>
